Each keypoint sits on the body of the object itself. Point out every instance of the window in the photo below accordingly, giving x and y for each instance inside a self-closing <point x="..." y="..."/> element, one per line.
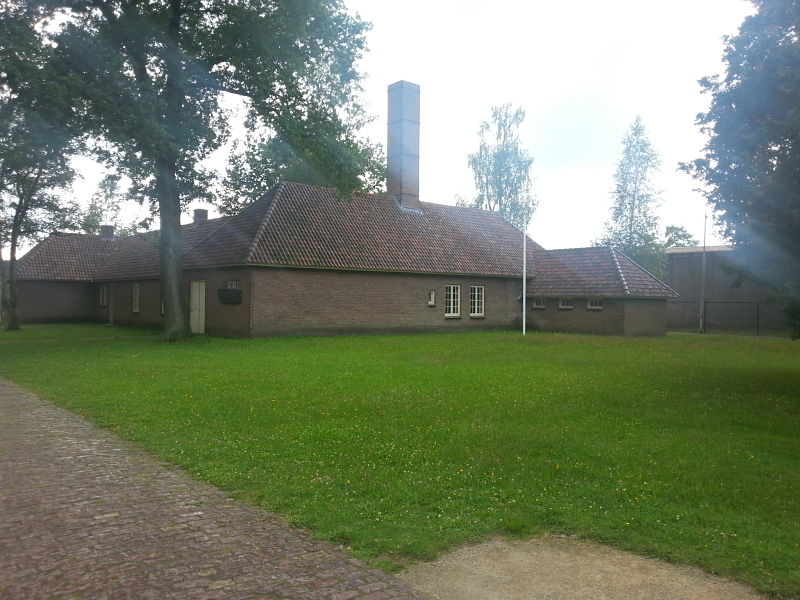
<point x="135" y="298"/>
<point x="594" y="304"/>
<point x="162" y="306"/>
<point x="565" y="304"/>
<point x="431" y="297"/>
<point x="476" y="294"/>
<point x="452" y="300"/>
<point x="102" y="298"/>
<point x="539" y="303"/>
<point x="232" y="285"/>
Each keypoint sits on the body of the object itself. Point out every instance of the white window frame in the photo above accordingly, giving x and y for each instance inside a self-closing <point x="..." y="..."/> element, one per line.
<point x="539" y="303"/>
<point x="102" y="299"/>
<point x="594" y="304"/>
<point x="452" y="301"/>
<point x="135" y="291"/>
<point x="233" y="285"/>
<point x="431" y="297"/>
<point x="477" y="300"/>
<point x="566" y="304"/>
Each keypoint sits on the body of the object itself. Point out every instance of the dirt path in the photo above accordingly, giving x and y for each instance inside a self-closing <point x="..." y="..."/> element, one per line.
<point x="562" y="568"/>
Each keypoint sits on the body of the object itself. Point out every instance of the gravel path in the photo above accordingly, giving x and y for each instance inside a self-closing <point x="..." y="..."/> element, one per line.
<point x="85" y="515"/>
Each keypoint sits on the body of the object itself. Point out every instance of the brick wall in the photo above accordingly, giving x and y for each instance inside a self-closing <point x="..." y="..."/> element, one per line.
<point x="287" y="301"/>
<point x="51" y="301"/>
<point x="221" y="319"/>
<point x="619" y="316"/>
<point x="609" y="320"/>
<point x="645" y="316"/>
<point x="231" y="320"/>
<point x="120" y="298"/>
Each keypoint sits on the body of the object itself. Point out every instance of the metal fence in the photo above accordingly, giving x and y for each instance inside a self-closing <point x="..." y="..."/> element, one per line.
<point x="755" y="318"/>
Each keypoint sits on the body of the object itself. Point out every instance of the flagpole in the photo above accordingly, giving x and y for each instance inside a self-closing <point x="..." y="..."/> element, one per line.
<point x="524" y="276"/>
<point x="702" y="327"/>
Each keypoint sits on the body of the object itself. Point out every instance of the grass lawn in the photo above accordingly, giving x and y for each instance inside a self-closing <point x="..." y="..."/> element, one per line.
<point x="686" y="448"/>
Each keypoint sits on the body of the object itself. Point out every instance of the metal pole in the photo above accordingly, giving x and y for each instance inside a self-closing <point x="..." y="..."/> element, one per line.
<point x="758" y="319"/>
<point x="524" y="276"/>
<point x="702" y="327"/>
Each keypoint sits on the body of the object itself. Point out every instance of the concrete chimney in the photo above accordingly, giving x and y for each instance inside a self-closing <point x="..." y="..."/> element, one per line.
<point x="402" y="155"/>
<point x="107" y="233"/>
<point x="200" y="215"/>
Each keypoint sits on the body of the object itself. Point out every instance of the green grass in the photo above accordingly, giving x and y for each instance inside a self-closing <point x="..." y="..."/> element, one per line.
<point x="73" y="331"/>
<point x="685" y="448"/>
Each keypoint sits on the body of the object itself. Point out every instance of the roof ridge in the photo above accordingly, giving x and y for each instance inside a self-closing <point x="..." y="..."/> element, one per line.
<point x="264" y="220"/>
<point x="641" y="268"/>
<point x="625" y="287"/>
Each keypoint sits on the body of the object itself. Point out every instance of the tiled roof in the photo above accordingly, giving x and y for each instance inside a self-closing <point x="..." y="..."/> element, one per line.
<point x="66" y="257"/>
<point x="594" y="272"/>
<point x="137" y="256"/>
<point x="299" y="225"/>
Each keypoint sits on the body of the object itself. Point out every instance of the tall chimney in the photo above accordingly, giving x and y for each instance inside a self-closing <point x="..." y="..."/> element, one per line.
<point x="107" y="233"/>
<point x="402" y="180"/>
<point x="200" y="215"/>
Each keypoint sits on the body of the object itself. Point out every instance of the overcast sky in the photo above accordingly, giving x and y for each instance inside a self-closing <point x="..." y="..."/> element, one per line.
<point x="582" y="70"/>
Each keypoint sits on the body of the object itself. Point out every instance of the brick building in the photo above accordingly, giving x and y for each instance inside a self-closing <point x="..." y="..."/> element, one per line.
<point x="301" y="260"/>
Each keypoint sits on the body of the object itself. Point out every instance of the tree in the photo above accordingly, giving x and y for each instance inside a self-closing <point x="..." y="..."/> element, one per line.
<point x="34" y="166"/>
<point x="267" y="160"/>
<point x="502" y="168"/>
<point x="751" y="162"/>
<point x="633" y="228"/>
<point x="104" y="208"/>
<point x="677" y="237"/>
<point x="145" y="77"/>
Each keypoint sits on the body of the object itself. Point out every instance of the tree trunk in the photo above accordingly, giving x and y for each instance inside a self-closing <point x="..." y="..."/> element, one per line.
<point x="3" y="288"/>
<point x="176" y="318"/>
<point x="11" y="321"/>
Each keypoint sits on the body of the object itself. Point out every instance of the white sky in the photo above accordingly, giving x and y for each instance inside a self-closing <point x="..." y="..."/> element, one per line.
<point x="582" y="70"/>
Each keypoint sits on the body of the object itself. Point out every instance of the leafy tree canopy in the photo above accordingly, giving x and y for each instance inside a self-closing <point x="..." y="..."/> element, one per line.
<point x="34" y="167"/>
<point x="677" y="237"/>
<point x="751" y="162"/>
<point x="502" y="168"/>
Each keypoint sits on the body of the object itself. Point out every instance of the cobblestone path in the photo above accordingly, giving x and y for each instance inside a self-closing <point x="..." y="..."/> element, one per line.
<point x="85" y="515"/>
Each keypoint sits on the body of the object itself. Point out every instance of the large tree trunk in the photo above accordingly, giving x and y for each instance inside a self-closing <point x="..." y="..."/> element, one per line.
<point x="176" y="319"/>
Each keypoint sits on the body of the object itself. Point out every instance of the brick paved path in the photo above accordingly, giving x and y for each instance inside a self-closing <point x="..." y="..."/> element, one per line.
<point x="84" y="515"/>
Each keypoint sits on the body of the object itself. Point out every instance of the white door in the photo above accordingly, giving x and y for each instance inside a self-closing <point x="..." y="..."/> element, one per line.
<point x="197" y="306"/>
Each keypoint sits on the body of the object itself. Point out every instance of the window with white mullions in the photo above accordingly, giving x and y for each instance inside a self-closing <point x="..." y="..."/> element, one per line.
<point x="476" y="296"/>
<point x="135" y="298"/>
<point x="594" y="304"/>
<point x="452" y="300"/>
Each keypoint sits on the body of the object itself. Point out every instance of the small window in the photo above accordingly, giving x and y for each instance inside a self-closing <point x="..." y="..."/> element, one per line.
<point x="565" y="304"/>
<point x="431" y="297"/>
<point x="539" y="303"/>
<point x="594" y="304"/>
<point x="135" y="299"/>
<point x="476" y="295"/>
<point x="102" y="298"/>
<point x="232" y="285"/>
<point x="452" y="300"/>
